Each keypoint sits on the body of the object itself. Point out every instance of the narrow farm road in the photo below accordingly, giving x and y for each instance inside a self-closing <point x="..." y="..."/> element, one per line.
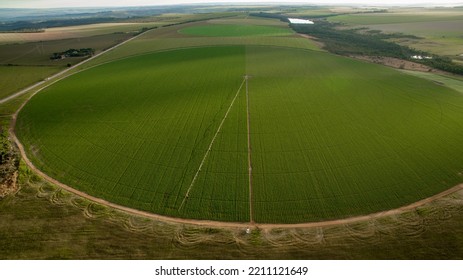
<point x="248" y="117"/>
<point x="210" y="145"/>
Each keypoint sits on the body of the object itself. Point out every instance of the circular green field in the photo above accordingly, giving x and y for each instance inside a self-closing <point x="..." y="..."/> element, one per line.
<point x="235" y="30"/>
<point x="168" y="133"/>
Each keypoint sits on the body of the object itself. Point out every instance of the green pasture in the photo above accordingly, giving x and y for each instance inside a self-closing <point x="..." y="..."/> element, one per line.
<point x="330" y="137"/>
<point x="15" y="78"/>
<point x="391" y="18"/>
<point x="149" y="45"/>
<point x="79" y="31"/>
<point x="234" y="30"/>
<point x="439" y="30"/>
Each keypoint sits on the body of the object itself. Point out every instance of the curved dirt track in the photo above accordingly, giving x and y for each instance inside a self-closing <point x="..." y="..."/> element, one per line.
<point x="206" y="223"/>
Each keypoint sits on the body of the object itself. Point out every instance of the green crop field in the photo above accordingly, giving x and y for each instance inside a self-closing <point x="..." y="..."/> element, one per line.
<point x="38" y="53"/>
<point x="332" y="143"/>
<point x="235" y="30"/>
<point x="248" y="20"/>
<point x="169" y="38"/>
<point x="170" y="157"/>
<point x="166" y="132"/>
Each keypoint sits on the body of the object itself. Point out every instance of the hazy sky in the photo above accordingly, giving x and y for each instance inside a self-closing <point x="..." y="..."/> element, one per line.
<point x="108" y="3"/>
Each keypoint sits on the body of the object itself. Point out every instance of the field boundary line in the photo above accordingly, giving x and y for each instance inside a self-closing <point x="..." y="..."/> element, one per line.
<point x="210" y="145"/>
<point x="210" y="223"/>
<point x="248" y="124"/>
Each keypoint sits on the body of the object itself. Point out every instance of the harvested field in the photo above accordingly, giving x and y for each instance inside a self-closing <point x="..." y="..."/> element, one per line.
<point x="39" y="53"/>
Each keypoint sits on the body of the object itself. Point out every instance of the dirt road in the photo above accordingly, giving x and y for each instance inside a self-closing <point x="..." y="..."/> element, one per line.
<point x="61" y="75"/>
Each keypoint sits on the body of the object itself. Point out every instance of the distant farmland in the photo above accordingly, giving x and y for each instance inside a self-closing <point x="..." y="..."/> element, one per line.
<point x="167" y="132"/>
<point x="233" y="30"/>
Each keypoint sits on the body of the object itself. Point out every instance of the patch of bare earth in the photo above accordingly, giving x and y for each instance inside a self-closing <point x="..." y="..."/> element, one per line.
<point x="396" y="63"/>
<point x="313" y="39"/>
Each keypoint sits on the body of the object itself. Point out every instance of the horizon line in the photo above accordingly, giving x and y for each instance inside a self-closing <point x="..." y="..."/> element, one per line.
<point x="424" y="4"/>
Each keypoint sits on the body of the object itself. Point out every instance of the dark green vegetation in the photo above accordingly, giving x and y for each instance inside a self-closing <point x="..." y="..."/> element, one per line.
<point x="73" y="53"/>
<point x="351" y="41"/>
<point x="228" y="30"/>
<point x="331" y="137"/>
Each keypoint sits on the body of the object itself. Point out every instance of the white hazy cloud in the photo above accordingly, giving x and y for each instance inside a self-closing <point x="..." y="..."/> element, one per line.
<point x="113" y="3"/>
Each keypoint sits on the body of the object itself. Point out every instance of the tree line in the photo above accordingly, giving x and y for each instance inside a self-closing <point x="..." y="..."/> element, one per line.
<point x="73" y="53"/>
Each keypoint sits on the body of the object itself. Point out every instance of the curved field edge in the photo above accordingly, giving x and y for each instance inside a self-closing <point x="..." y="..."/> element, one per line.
<point x="234" y="30"/>
<point x="81" y="229"/>
<point x="102" y="204"/>
<point x="263" y="77"/>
